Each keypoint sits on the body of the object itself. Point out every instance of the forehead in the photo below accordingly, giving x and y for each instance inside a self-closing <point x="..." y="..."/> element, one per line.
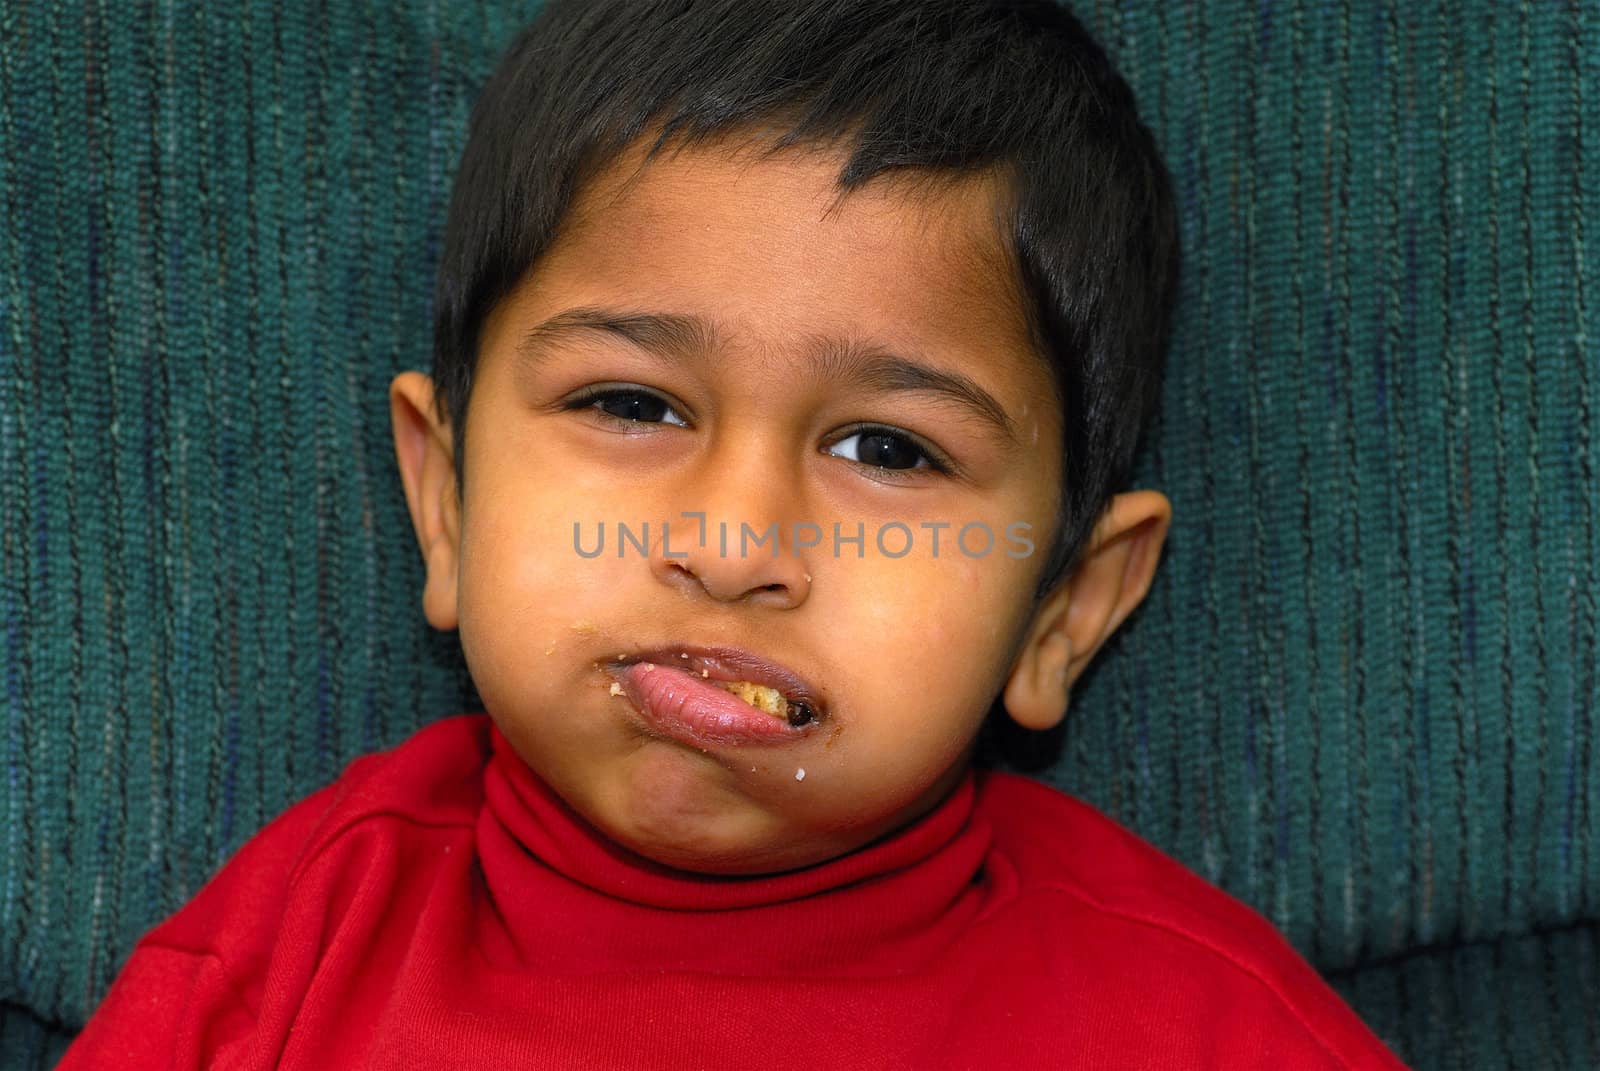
<point x="767" y="245"/>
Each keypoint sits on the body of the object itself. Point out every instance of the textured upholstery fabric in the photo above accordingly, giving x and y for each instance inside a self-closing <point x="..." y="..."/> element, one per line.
<point x="1361" y="695"/>
<point x="1525" y="1001"/>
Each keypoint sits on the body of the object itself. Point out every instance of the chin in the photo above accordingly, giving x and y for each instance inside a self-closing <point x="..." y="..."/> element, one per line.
<point x="730" y="863"/>
<point x="702" y="844"/>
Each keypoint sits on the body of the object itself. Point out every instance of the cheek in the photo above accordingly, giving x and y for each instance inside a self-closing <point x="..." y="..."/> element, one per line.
<point x="523" y="588"/>
<point x="933" y="634"/>
<point x="956" y="594"/>
<point x="517" y="540"/>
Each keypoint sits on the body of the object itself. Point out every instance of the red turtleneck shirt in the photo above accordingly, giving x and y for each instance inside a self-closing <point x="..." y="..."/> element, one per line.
<point x="440" y="907"/>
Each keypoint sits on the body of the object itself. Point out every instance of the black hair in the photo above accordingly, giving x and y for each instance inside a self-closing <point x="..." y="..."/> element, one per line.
<point x="1017" y="87"/>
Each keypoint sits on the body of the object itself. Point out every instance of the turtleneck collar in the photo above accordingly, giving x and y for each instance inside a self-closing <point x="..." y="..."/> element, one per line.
<point x="562" y="892"/>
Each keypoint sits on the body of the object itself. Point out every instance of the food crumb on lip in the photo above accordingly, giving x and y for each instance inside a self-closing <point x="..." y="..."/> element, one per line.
<point x="705" y="673"/>
<point x="616" y="689"/>
<point x="800" y="774"/>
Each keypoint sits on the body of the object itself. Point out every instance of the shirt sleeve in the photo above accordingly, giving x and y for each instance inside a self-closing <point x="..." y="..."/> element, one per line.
<point x="187" y="995"/>
<point x="167" y="1008"/>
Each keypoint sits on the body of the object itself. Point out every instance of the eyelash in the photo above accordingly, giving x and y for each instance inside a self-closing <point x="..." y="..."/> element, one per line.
<point x="937" y="462"/>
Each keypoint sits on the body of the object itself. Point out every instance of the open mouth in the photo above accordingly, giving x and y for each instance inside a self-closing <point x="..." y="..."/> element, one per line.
<point x="771" y="701"/>
<point x="775" y="700"/>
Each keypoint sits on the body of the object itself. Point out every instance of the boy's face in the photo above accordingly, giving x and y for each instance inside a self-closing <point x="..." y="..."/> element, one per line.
<point x="906" y="652"/>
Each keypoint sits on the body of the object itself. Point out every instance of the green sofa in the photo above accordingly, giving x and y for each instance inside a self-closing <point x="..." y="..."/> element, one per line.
<point x="1361" y="696"/>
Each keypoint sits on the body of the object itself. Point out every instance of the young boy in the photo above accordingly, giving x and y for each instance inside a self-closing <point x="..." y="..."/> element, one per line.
<point x="860" y="307"/>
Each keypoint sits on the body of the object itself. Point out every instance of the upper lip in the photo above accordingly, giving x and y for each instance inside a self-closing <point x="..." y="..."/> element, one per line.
<point x="733" y="664"/>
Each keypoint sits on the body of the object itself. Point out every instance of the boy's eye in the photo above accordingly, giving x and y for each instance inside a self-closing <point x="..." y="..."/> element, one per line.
<point x="890" y="452"/>
<point x="631" y="406"/>
<point x="885" y="449"/>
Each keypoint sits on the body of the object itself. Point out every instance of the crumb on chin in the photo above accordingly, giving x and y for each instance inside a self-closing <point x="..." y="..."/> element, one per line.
<point x="616" y="689"/>
<point x="800" y="774"/>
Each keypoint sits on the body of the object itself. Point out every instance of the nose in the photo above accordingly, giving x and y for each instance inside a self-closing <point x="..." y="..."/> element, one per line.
<point x="737" y="542"/>
<point x="782" y="586"/>
<point x="735" y="561"/>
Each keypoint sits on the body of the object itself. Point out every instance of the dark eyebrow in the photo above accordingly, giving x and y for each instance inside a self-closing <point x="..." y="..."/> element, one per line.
<point x="689" y="339"/>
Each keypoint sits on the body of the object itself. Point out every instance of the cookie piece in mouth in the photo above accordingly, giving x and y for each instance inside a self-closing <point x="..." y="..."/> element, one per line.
<point x="770" y="700"/>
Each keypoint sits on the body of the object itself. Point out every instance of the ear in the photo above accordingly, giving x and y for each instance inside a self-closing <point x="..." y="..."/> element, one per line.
<point x="1112" y="576"/>
<point x="423" y="447"/>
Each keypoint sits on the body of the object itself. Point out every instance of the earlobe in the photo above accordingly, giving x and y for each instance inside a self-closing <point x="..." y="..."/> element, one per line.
<point x="422" y="446"/>
<point x="1041" y="681"/>
<point x="1112" y="577"/>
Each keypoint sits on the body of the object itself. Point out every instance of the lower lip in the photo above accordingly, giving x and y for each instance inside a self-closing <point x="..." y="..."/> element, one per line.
<point x="686" y="708"/>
